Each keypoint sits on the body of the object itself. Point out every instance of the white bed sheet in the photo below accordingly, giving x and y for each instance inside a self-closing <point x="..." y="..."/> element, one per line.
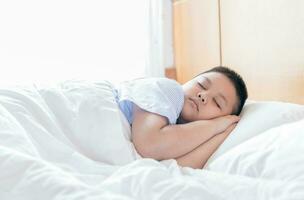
<point x="43" y="155"/>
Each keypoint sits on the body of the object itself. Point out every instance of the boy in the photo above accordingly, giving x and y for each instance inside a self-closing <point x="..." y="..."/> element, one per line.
<point x="186" y="123"/>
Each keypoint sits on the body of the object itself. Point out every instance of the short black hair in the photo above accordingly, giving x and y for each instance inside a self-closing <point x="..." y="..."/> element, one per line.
<point x="238" y="83"/>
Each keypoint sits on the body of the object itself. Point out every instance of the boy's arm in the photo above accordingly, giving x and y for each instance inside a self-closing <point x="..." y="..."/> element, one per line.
<point x="153" y="138"/>
<point x="199" y="156"/>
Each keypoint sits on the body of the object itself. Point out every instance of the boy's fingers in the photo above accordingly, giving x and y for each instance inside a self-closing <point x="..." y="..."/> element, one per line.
<point x="231" y="127"/>
<point x="235" y="118"/>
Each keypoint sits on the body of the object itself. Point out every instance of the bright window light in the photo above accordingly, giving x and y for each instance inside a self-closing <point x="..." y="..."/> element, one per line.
<point x="46" y="41"/>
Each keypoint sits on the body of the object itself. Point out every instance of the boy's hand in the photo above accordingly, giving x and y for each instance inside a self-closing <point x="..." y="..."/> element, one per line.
<point x="230" y="129"/>
<point x="225" y="123"/>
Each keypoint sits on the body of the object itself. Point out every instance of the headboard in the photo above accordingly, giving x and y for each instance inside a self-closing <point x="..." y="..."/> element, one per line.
<point x="262" y="40"/>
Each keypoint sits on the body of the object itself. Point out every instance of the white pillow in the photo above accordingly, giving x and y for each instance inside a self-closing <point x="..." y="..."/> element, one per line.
<point x="257" y="117"/>
<point x="275" y="154"/>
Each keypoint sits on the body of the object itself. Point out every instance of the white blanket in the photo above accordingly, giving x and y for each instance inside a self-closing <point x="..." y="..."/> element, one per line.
<point x="71" y="142"/>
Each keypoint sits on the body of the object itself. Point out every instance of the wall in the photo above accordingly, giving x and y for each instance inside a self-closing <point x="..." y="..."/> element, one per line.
<point x="262" y="40"/>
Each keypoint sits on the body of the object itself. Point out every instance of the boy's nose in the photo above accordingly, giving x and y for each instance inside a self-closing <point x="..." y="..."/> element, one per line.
<point x="203" y="98"/>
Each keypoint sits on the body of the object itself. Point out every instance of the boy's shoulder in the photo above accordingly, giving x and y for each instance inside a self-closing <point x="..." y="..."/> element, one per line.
<point x="157" y="95"/>
<point x="159" y="83"/>
<point x="155" y="80"/>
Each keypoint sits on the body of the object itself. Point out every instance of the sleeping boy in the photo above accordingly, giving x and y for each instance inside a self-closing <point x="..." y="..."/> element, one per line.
<point x="183" y="122"/>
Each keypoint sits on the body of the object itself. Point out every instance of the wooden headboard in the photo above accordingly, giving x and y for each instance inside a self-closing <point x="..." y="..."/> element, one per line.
<point x="262" y="40"/>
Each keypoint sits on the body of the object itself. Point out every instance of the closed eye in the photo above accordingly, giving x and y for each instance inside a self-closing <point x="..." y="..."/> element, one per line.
<point x="217" y="104"/>
<point x="201" y="85"/>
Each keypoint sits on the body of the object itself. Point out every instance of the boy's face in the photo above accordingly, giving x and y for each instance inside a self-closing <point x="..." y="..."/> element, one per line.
<point x="208" y="96"/>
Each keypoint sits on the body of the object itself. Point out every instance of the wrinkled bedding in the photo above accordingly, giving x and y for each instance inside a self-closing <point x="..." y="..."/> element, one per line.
<point x="70" y="141"/>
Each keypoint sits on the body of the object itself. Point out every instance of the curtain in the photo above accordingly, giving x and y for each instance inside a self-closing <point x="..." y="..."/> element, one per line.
<point x="160" y="48"/>
<point x="46" y="41"/>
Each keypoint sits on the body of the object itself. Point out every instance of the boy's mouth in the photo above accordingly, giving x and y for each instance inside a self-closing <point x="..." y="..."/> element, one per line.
<point x="194" y="103"/>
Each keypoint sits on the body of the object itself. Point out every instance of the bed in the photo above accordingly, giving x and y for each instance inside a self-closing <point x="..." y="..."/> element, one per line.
<point x="62" y="142"/>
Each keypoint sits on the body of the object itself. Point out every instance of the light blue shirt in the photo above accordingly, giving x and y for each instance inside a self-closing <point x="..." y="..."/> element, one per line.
<point x="161" y="96"/>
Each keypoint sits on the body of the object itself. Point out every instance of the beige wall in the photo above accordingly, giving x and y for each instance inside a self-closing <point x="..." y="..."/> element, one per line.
<point x="196" y="41"/>
<point x="262" y="40"/>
